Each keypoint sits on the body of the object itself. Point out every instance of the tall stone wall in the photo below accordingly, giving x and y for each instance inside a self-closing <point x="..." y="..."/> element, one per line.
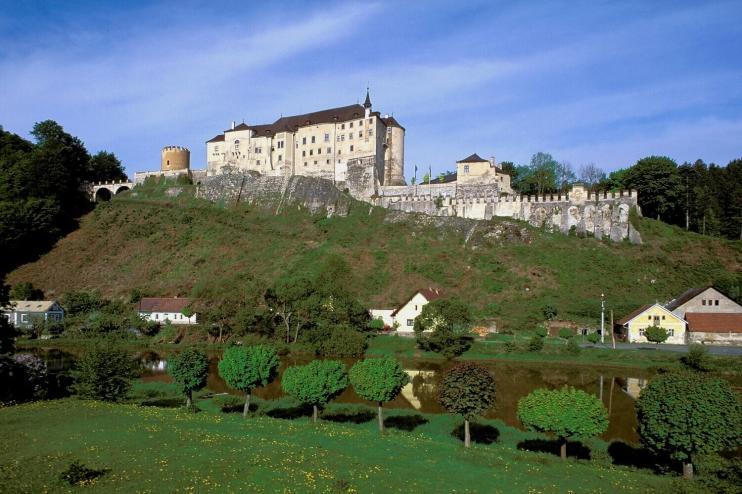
<point x="603" y="215"/>
<point x="318" y="195"/>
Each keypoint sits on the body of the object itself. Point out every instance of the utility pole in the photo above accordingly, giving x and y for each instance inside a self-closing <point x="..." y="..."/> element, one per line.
<point x="613" y="336"/>
<point x="602" y="318"/>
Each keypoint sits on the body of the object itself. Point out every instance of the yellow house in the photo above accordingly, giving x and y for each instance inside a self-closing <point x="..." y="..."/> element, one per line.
<point x="633" y="325"/>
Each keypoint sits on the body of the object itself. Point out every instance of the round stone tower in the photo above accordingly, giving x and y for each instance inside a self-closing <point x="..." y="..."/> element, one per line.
<point x="175" y="158"/>
<point x="394" y="155"/>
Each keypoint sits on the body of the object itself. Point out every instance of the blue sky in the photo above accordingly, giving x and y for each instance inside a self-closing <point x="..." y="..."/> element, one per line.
<point x="589" y="82"/>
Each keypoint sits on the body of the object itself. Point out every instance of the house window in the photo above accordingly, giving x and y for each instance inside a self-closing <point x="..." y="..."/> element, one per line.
<point x="360" y="123"/>
<point x="716" y="302"/>
<point x="303" y="140"/>
<point x="466" y="169"/>
<point x="663" y="318"/>
<point x="327" y="137"/>
<point x="410" y="322"/>
<point x="342" y="137"/>
<point x="641" y="332"/>
<point x="313" y="139"/>
<point x="671" y="332"/>
<point x="416" y="307"/>
<point x="328" y="162"/>
<point x="649" y="317"/>
<point x="351" y="148"/>
<point x="24" y="317"/>
<point x="703" y="302"/>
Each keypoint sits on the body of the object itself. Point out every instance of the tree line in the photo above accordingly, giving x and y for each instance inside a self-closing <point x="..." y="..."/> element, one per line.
<point x="41" y="188"/>
<point x="701" y="197"/>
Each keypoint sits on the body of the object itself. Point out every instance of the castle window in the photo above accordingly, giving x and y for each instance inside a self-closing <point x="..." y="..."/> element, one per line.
<point x="313" y="140"/>
<point x="370" y="132"/>
<point x="280" y="157"/>
<point x="370" y="121"/>
<point x="329" y="150"/>
<point x="342" y="137"/>
<point x="338" y="151"/>
<point x="315" y="162"/>
<point x="258" y="162"/>
<point x="342" y="126"/>
<point x="258" y="150"/>
<point x="350" y="125"/>
<point x="303" y="140"/>
<point x="360" y="134"/>
<point x="350" y="136"/>
<point x="280" y="144"/>
<point x="327" y="137"/>
<point x="216" y="149"/>
<point x="338" y="138"/>
<point x="466" y="169"/>
<point x="328" y="162"/>
<point x="311" y="152"/>
<point x="319" y="150"/>
<point x="305" y="163"/>
<point x="360" y="123"/>
<point x="351" y="148"/>
<point x="237" y="145"/>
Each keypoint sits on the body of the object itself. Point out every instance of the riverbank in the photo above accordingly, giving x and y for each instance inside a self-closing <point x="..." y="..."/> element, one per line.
<point x="149" y="449"/>
<point x="490" y="350"/>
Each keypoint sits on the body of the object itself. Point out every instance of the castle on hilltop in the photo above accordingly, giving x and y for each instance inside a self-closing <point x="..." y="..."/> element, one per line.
<point x="318" y="144"/>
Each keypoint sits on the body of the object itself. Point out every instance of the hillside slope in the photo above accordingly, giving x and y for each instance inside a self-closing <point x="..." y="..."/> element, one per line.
<point x="168" y="245"/>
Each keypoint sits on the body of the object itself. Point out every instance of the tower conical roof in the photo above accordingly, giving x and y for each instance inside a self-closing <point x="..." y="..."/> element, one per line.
<point x="367" y="103"/>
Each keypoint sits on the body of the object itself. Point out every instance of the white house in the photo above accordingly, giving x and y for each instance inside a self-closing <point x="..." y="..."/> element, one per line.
<point x="166" y="309"/>
<point x="22" y="313"/>
<point x="404" y="316"/>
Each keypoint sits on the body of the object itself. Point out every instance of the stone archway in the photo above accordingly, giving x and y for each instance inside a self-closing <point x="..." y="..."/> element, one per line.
<point x="103" y="195"/>
<point x="121" y="189"/>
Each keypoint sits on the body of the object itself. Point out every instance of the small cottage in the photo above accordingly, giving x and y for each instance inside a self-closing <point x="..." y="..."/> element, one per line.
<point x="166" y="309"/>
<point x="632" y="326"/>
<point x="403" y="317"/>
<point x="23" y="313"/>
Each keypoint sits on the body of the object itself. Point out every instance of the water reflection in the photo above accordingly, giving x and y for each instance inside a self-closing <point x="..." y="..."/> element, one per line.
<point x="616" y="390"/>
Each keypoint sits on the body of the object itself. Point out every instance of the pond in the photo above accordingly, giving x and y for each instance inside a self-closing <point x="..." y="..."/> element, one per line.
<point x="618" y="389"/>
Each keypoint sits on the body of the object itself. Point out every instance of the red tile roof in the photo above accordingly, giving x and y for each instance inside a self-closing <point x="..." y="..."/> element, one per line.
<point x="429" y="293"/>
<point x="714" y="322"/>
<point x="155" y="304"/>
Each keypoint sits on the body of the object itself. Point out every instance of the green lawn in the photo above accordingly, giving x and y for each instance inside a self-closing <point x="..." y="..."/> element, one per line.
<point x="150" y="449"/>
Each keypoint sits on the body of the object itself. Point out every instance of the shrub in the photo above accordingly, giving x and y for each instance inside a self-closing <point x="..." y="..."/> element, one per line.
<point x="34" y="374"/>
<point x="549" y="312"/>
<point x="446" y="342"/>
<point x="593" y="337"/>
<point x="510" y="347"/>
<point x="573" y="347"/>
<point x="535" y="344"/>
<point x="566" y="413"/>
<point x="245" y="368"/>
<point x="566" y="333"/>
<point x="376" y="325"/>
<point x="315" y="383"/>
<point x="655" y="334"/>
<point x="542" y="331"/>
<point x="189" y="370"/>
<point x="229" y="403"/>
<point x="379" y="380"/>
<point x="697" y="358"/>
<point x="468" y="390"/>
<point x="104" y="374"/>
<point x="683" y="415"/>
<point x="342" y="341"/>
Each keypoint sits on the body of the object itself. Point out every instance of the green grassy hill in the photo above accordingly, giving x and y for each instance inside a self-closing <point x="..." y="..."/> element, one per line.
<point x="507" y="270"/>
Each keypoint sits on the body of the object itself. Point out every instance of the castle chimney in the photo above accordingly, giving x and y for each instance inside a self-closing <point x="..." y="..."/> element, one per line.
<point x="233" y="123"/>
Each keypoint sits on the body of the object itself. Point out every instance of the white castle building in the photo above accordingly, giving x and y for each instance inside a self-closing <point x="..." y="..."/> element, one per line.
<point x="317" y="144"/>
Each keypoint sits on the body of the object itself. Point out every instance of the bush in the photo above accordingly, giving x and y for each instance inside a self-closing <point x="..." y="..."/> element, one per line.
<point x="566" y="333"/>
<point x="573" y="347"/>
<point x="593" y="337"/>
<point x="510" y="347"/>
<point x="542" y="331"/>
<point x="549" y="312"/>
<point x="376" y="325"/>
<point x="535" y="344"/>
<point x="33" y="372"/>
<point x="342" y="341"/>
<point x="229" y="403"/>
<point x="655" y="334"/>
<point x="446" y="342"/>
<point x="104" y="374"/>
<point x="697" y="358"/>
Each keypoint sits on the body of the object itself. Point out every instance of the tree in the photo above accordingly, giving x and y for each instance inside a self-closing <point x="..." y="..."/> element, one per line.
<point x="379" y="380"/>
<point x="245" y="368"/>
<point x="444" y="326"/>
<point x="189" y="369"/>
<point x="104" y="374"/>
<point x="315" y="383"/>
<point x="683" y="415"/>
<point x="105" y="166"/>
<point x="565" y="413"/>
<point x="26" y="291"/>
<point x="697" y="358"/>
<point x="7" y="330"/>
<point x="656" y="334"/>
<point x="288" y="300"/>
<point x="543" y="173"/>
<point x="591" y="175"/>
<point x="564" y="175"/>
<point x="467" y="389"/>
<point x="549" y="312"/>
<point x="657" y="181"/>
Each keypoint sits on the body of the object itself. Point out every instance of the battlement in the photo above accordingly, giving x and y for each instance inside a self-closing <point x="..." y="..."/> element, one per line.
<point x="489" y="197"/>
<point x="176" y="148"/>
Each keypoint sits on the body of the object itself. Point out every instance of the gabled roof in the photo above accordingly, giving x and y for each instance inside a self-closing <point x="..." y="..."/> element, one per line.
<point x="242" y="126"/>
<point x="219" y="138"/>
<point x="474" y="158"/>
<point x="447" y="178"/>
<point x="714" y="322"/>
<point x="633" y="315"/>
<point x="392" y="122"/>
<point x="158" y="304"/>
<point x="685" y="297"/>
<point x="429" y="293"/>
<point x="31" y="305"/>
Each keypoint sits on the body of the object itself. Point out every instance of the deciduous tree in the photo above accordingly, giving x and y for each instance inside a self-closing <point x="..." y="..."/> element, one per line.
<point x="656" y="334"/>
<point x="467" y="389"/>
<point x="566" y="413"/>
<point x="379" y="380"/>
<point x="104" y="374"/>
<point x="683" y="415"/>
<point x="315" y="383"/>
<point x="245" y="368"/>
<point x="189" y="369"/>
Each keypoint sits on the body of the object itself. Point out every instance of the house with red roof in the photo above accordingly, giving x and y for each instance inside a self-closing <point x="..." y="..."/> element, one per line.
<point x="160" y="309"/>
<point x="403" y="317"/>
